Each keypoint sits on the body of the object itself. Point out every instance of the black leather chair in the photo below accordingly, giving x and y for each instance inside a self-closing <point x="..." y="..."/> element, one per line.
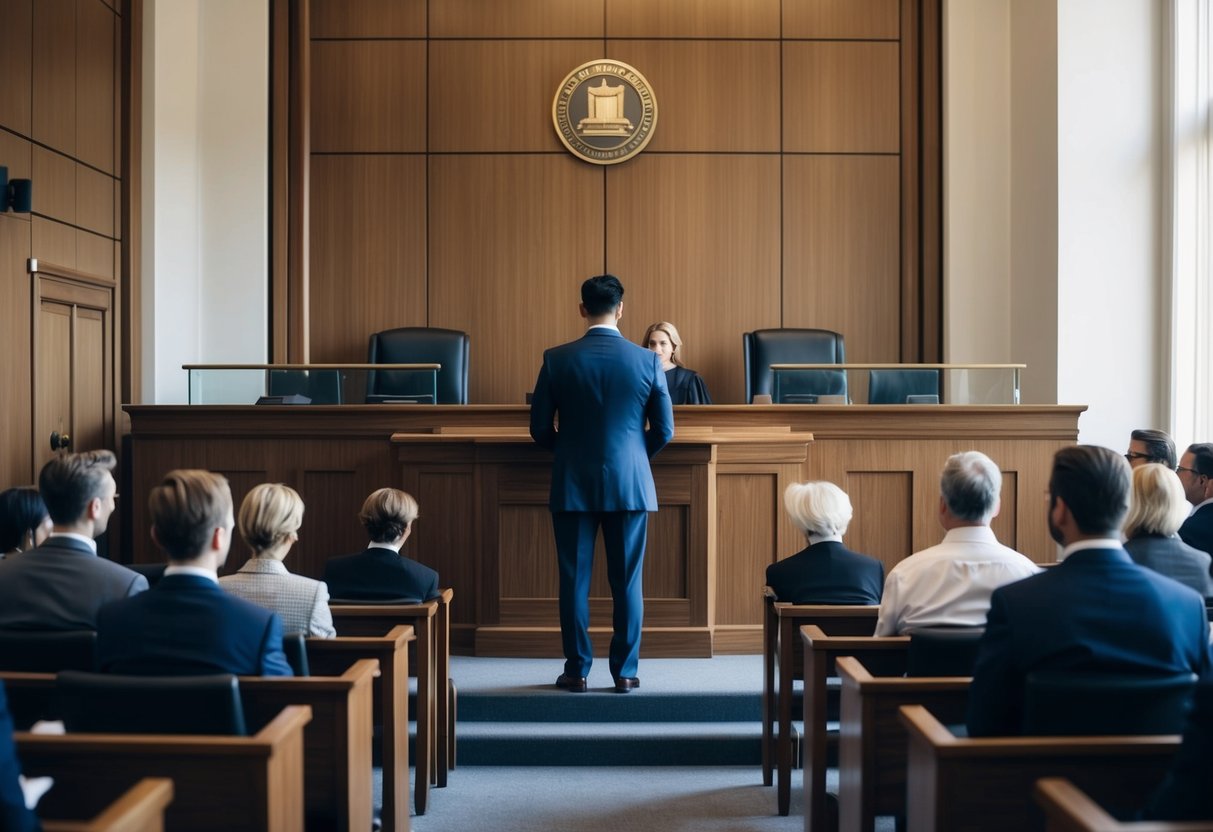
<point x="896" y="386"/>
<point x="1073" y="703"/>
<point x="419" y="345"/>
<point x="106" y="703"/>
<point x="47" y="651"/>
<point x="321" y="386"/>
<point x="764" y="347"/>
<point x="943" y="651"/>
<point x="295" y="646"/>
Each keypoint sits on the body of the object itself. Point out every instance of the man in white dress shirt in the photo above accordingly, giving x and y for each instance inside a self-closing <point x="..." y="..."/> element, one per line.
<point x="949" y="585"/>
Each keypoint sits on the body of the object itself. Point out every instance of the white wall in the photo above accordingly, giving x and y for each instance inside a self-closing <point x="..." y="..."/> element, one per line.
<point x="206" y="170"/>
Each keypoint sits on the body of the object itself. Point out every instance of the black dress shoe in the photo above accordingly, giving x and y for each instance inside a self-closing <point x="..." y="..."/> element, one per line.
<point x="573" y="684"/>
<point x="624" y="684"/>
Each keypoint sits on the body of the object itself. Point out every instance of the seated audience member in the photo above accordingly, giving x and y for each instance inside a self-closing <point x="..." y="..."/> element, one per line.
<point x="685" y="386"/>
<point x="949" y="585"/>
<point x="14" y="817"/>
<point x="186" y="624"/>
<point x="825" y="571"/>
<point x="61" y="584"/>
<point x="269" y="522"/>
<point x="1147" y="445"/>
<point x="1195" y="471"/>
<point x="24" y="522"/>
<point x="1157" y="508"/>
<point x="381" y="572"/>
<point x="1097" y="610"/>
<point x="1185" y="794"/>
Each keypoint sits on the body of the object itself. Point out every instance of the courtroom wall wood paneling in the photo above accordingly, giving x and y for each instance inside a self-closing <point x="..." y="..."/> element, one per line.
<point x="368" y="18"/>
<point x="511" y="239"/>
<point x="716" y="96"/>
<point x="96" y="68"/>
<point x="850" y="19"/>
<point x="693" y="19"/>
<point x="368" y="251"/>
<point x="95" y="194"/>
<point x="16" y="461"/>
<point x="55" y="194"/>
<point x="54" y="241"/>
<point x="697" y="237"/>
<point x="841" y="97"/>
<point x="891" y="493"/>
<point x="54" y="74"/>
<point x="16" y="66"/>
<point x="368" y="97"/>
<point x="841" y="257"/>
<point x="478" y="102"/>
<point x="745" y="550"/>
<point x="517" y="19"/>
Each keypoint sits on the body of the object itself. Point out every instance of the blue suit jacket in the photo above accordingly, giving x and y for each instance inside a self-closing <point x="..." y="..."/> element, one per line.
<point x="14" y="817"/>
<point x="603" y="387"/>
<point x="1197" y="530"/>
<point x="1096" y="610"/>
<point x="379" y="573"/>
<point x="187" y="625"/>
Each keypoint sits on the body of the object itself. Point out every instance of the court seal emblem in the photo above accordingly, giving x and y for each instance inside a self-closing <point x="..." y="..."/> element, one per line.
<point x="604" y="112"/>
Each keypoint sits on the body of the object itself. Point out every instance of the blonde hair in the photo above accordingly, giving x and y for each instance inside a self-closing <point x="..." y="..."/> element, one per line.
<point x="270" y="513"/>
<point x="1157" y="504"/>
<point x="820" y="508"/>
<point x="387" y="513"/>
<point x="186" y="508"/>
<point x="675" y="339"/>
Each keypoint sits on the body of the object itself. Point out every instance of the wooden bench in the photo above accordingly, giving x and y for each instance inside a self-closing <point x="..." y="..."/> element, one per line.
<point x="139" y="809"/>
<point x="390" y="696"/>
<point x="783" y="662"/>
<point x="986" y="783"/>
<point x="230" y="783"/>
<point x="886" y="656"/>
<point x="872" y="742"/>
<point x="1068" y="809"/>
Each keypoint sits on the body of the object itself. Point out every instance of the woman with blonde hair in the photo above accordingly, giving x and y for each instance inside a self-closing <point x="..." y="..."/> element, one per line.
<point x="686" y="386"/>
<point x="269" y="522"/>
<point x="1157" y="508"/>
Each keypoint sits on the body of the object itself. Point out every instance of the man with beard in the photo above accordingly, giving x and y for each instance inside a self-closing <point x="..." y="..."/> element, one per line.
<point x="1096" y="611"/>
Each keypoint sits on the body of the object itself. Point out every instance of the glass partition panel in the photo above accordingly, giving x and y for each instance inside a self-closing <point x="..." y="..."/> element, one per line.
<point x="316" y="384"/>
<point x="881" y="384"/>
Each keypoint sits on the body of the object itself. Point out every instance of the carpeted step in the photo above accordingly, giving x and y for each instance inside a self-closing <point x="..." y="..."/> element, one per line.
<point x="604" y="705"/>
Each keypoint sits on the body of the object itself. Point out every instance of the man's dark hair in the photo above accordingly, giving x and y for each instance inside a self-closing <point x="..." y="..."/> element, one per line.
<point x="1159" y="446"/>
<point x="67" y="483"/>
<point x="1202" y="457"/>
<point x="601" y="294"/>
<point x="1094" y="483"/>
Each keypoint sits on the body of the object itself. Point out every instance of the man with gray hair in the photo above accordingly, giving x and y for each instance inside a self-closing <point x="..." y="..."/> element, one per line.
<point x="950" y="584"/>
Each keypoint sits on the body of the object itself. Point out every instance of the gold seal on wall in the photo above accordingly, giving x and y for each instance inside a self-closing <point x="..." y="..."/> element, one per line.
<point x="604" y="112"/>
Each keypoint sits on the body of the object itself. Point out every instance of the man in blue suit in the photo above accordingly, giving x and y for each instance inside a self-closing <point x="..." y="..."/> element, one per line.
<point x="187" y="624"/>
<point x="1195" y="471"/>
<point x="602" y="388"/>
<point x="1097" y="610"/>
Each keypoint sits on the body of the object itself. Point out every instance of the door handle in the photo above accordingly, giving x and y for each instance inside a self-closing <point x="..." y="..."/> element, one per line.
<point x="60" y="441"/>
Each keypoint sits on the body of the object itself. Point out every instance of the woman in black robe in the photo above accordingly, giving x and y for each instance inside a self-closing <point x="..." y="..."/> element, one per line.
<point x="686" y="387"/>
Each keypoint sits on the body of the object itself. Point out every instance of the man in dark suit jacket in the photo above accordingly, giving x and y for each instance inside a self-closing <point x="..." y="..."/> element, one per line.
<point x="602" y="388"/>
<point x="187" y="624"/>
<point x="61" y="584"/>
<point x="1196" y="473"/>
<point x="1097" y="610"/>
<point x="381" y="572"/>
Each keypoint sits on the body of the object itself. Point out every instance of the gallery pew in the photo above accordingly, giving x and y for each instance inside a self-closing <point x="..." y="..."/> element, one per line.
<point x="872" y="743"/>
<point x="783" y="663"/>
<point x="220" y="782"/>
<point x="390" y="696"/>
<point x="886" y="656"/>
<point x="139" y="809"/>
<point x="1068" y="809"/>
<point x="957" y="783"/>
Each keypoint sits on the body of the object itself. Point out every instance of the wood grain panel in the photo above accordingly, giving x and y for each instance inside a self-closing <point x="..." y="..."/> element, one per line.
<point x="95" y="194"/>
<point x="511" y="240"/>
<point x="368" y="18"/>
<point x="55" y="185"/>
<point x="368" y="96"/>
<point x="527" y="553"/>
<point x="241" y="478"/>
<point x="18" y="158"/>
<point x="712" y="96"/>
<point x="94" y="254"/>
<point x="95" y="70"/>
<point x="852" y="19"/>
<point x="665" y="557"/>
<point x="479" y="102"/>
<point x="745" y="549"/>
<point x="368" y="258"/>
<point x="841" y="97"/>
<point x="89" y="374"/>
<point x="54" y="242"/>
<point x="330" y="521"/>
<point x="842" y="237"/>
<point x="54" y="71"/>
<point x="517" y="19"/>
<point x="16" y="461"/>
<point x="1005" y="525"/>
<point x="52" y="393"/>
<point x="695" y="239"/>
<point x="444" y="538"/>
<point x="891" y="495"/>
<point x="693" y="19"/>
<point x="16" y="21"/>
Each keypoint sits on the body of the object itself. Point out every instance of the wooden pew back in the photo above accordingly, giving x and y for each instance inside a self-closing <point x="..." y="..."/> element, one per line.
<point x="139" y="809"/>
<point x="1068" y="809"/>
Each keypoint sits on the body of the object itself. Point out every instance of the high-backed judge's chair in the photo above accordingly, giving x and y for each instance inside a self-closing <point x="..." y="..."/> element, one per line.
<point x="419" y="345"/>
<point x="764" y="347"/>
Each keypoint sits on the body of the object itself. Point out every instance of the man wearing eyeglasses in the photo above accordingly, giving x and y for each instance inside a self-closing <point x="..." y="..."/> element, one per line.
<point x="1148" y="445"/>
<point x="1195" y="471"/>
